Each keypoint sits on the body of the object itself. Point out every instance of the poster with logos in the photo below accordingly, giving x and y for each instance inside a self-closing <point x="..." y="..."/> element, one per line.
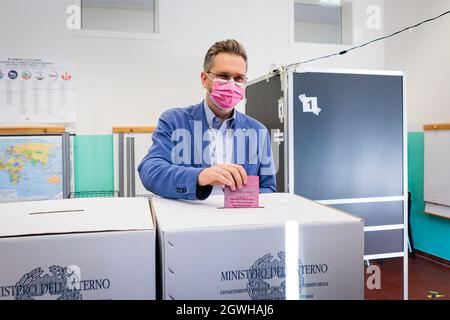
<point x="37" y="91"/>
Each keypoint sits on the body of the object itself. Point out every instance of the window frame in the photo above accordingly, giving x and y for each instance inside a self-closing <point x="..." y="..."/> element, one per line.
<point x="159" y="33"/>
<point x="299" y="44"/>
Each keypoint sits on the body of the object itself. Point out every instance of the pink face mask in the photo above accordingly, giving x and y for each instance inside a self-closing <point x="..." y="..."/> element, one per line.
<point x="226" y="95"/>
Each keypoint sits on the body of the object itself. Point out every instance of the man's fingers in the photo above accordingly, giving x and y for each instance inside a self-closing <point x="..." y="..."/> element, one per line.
<point x="237" y="174"/>
<point x="227" y="175"/>
<point x="219" y="180"/>
<point x="222" y="179"/>
<point x="232" y="174"/>
<point x="242" y="172"/>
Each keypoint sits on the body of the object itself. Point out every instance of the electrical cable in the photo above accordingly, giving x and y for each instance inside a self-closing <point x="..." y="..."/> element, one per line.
<point x="370" y="42"/>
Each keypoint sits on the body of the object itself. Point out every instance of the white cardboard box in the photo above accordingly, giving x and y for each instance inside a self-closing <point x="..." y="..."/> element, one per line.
<point x="100" y="248"/>
<point x="207" y="252"/>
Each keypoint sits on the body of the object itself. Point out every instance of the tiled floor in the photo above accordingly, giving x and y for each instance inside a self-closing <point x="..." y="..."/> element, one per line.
<point x="424" y="276"/>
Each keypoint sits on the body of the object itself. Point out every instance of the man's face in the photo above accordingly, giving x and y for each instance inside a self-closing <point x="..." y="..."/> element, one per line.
<point x="226" y="65"/>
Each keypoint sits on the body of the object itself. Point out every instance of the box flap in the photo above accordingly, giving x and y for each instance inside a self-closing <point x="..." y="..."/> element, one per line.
<point x="276" y="208"/>
<point x="74" y="215"/>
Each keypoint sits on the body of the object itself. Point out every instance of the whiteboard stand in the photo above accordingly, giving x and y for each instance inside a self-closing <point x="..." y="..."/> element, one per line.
<point x="126" y="158"/>
<point x="66" y="164"/>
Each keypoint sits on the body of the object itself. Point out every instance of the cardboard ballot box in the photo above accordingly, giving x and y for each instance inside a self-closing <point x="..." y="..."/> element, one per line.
<point x="100" y="248"/>
<point x="208" y="252"/>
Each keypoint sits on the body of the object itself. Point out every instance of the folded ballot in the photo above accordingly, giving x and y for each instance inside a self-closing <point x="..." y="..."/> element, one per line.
<point x="246" y="197"/>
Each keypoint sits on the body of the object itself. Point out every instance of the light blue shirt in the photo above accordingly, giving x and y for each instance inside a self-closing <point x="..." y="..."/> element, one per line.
<point x="217" y="126"/>
<point x="215" y="122"/>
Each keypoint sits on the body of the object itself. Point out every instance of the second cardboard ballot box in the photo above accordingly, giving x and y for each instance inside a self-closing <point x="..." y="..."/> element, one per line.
<point x="208" y="252"/>
<point x="77" y="249"/>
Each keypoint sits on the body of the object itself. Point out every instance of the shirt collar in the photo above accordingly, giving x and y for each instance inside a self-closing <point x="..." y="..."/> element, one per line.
<point x="210" y="116"/>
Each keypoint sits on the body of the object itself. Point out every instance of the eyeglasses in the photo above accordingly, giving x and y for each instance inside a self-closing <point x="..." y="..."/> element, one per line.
<point x="225" y="78"/>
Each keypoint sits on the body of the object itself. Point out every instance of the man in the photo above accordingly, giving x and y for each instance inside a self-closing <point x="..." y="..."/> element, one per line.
<point x="201" y="149"/>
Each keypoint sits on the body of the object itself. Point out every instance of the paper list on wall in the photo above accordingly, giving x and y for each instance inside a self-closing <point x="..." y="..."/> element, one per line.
<point x="37" y="91"/>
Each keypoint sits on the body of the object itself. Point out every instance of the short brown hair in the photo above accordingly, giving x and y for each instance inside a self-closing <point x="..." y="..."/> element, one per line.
<point x="227" y="46"/>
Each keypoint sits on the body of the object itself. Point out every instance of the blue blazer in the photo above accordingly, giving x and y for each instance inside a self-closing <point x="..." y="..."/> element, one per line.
<point x="160" y="175"/>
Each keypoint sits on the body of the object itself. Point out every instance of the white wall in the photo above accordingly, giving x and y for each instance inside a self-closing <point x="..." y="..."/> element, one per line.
<point x="130" y="82"/>
<point x="424" y="54"/>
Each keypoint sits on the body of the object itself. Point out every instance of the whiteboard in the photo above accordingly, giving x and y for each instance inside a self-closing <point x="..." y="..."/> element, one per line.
<point x="437" y="167"/>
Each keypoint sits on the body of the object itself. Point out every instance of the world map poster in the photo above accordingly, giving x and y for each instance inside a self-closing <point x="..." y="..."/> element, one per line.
<point x="30" y="168"/>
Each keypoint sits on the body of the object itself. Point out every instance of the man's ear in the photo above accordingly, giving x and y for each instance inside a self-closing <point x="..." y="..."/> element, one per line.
<point x="204" y="79"/>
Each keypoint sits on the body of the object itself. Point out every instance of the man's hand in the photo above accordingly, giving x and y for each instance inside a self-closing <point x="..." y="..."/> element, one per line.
<point x="232" y="175"/>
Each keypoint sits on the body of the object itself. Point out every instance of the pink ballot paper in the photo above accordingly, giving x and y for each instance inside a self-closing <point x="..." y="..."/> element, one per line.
<point x="246" y="197"/>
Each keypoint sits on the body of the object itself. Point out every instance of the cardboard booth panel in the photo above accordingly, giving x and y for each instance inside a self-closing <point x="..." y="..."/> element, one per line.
<point x="77" y="249"/>
<point x="211" y="253"/>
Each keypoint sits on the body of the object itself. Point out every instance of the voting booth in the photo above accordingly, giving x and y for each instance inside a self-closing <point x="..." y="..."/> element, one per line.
<point x="288" y="248"/>
<point x="339" y="138"/>
<point x="77" y="249"/>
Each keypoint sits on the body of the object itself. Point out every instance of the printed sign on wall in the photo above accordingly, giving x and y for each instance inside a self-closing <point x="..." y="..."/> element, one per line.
<point x="37" y="91"/>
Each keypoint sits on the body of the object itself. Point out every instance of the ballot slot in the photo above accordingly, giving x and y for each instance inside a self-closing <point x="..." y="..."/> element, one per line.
<point x="221" y="208"/>
<point x="57" y="211"/>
